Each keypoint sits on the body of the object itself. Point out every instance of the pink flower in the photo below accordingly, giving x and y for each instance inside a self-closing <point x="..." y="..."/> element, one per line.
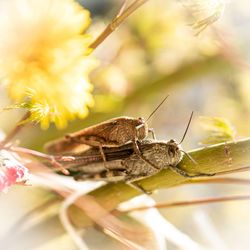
<point x="11" y="170"/>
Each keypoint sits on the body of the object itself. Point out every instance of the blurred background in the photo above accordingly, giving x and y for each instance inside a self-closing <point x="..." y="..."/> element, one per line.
<point x="154" y="53"/>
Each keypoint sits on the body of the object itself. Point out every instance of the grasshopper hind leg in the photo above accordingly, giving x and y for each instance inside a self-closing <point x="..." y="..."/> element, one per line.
<point x="110" y="176"/>
<point x="103" y="157"/>
<point x="139" y="153"/>
<point x="86" y="141"/>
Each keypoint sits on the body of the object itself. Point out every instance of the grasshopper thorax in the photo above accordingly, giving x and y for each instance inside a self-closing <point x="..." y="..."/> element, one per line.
<point x="141" y="128"/>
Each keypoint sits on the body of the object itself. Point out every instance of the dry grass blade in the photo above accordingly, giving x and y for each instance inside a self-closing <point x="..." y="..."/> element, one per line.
<point x="126" y="234"/>
<point x="192" y="202"/>
<point x="221" y="181"/>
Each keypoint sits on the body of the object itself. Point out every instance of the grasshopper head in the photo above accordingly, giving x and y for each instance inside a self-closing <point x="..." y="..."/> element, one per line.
<point x="174" y="152"/>
<point x="173" y="146"/>
<point x="141" y="128"/>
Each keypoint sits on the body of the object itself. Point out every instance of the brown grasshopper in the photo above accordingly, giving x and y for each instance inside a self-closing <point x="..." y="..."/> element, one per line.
<point x="112" y="133"/>
<point x="125" y="165"/>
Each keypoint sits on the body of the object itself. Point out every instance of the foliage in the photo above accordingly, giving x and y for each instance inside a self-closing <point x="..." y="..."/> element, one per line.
<point x="218" y="129"/>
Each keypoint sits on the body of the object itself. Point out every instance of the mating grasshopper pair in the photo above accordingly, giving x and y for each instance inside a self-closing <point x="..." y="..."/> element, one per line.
<point x="122" y="137"/>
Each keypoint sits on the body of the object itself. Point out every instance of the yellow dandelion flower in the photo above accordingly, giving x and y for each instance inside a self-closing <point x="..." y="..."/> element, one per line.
<point x="44" y="58"/>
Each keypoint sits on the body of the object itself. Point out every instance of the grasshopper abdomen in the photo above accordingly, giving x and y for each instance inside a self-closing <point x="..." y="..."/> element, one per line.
<point x="111" y="133"/>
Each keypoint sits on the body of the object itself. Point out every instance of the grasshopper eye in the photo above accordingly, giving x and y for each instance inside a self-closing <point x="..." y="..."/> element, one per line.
<point x="171" y="151"/>
<point x="140" y="123"/>
<point x="141" y="120"/>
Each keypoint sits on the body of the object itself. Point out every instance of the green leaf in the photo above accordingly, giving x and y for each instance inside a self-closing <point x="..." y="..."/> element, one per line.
<point x="218" y="130"/>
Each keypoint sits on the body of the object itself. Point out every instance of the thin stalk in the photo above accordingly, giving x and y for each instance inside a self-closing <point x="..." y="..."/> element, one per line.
<point x="16" y="129"/>
<point x="51" y="158"/>
<point x="228" y="180"/>
<point x="122" y="15"/>
<point x="191" y="202"/>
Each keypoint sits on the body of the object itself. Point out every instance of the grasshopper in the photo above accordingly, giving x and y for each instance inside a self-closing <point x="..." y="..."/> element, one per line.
<point x="124" y="164"/>
<point x="112" y="133"/>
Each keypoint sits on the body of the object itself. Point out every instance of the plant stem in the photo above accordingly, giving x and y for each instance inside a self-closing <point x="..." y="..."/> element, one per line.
<point x="116" y="22"/>
<point x="16" y="129"/>
<point x="54" y="160"/>
<point x="217" y="158"/>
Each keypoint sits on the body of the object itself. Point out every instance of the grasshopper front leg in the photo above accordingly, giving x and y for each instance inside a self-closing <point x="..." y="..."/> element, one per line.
<point x="130" y="181"/>
<point x="139" y="188"/>
<point x="186" y="174"/>
<point x="151" y="130"/>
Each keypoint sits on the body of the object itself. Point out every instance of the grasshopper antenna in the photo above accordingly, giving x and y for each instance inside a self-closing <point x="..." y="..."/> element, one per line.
<point x="186" y="130"/>
<point x="157" y="108"/>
